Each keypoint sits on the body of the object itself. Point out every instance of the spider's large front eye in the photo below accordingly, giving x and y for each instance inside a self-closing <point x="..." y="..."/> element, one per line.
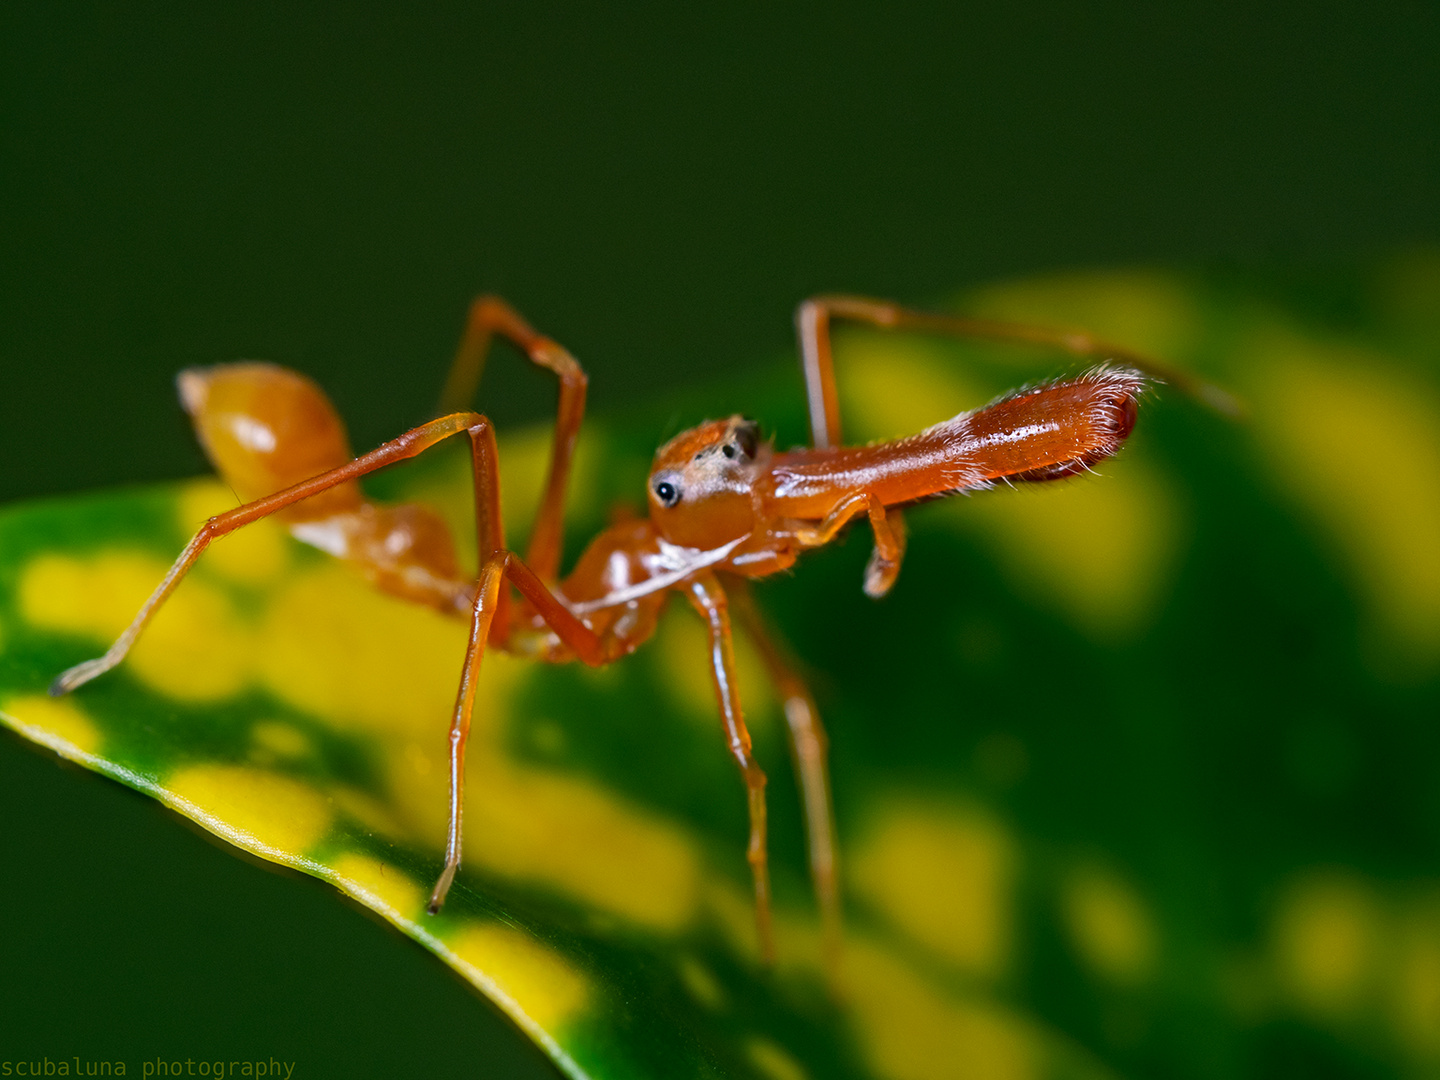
<point x="667" y="493"/>
<point x="747" y="437"/>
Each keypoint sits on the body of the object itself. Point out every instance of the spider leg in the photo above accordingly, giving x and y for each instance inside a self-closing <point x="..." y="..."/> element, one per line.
<point x="813" y="318"/>
<point x="490" y="315"/>
<point x="889" y="529"/>
<point x="884" y="565"/>
<point x="708" y="598"/>
<point x="809" y="748"/>
<point x="498" y="567"/>
<point x="406" y="446"/>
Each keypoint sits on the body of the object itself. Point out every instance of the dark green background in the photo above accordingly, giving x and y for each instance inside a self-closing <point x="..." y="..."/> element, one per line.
<point x="656" y="188"/>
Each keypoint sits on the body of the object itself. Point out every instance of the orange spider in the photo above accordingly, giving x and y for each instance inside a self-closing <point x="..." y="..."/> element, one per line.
<point x="723" y="506"/>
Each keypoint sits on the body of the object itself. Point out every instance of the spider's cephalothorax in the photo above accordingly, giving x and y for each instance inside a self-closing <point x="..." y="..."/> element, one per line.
<point x="703" y="482"/>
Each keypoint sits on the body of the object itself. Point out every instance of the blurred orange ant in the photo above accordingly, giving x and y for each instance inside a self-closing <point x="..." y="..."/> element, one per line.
<point x="723" y="505"/>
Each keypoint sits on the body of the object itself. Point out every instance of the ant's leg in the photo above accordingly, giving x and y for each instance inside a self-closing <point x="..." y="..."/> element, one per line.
<point x="708" y="598"/>
<point x="406" y="446"/>
<point x="498" y="566"/>
<point x="810" y="748"/>
<point x="812" y="322"/>
<point x="490" y="315"/>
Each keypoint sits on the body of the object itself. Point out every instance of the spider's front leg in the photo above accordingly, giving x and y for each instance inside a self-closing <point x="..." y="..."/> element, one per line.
<point x="406" y="446"/>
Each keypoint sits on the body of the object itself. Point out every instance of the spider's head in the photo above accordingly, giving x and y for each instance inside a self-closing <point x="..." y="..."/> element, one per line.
<point x="701" y="480"/>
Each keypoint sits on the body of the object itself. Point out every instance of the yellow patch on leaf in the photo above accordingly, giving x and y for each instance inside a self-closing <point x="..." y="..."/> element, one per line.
<point x="255" y="555"/>
<point x="773" y="1060"/>
<point x="1149" y="311"/>
<point x="261" y="811"/>
<point x="532" y="982"/>
<point x="1102" y="548"/>
<point x="1326" y="942"/>
<point x="274" y="741"/>
<point x="195" y="648"/>
<point x="577" y="837"/>
<point x="908" y="1030"/>
<point x="342" y="651"/>
<point x="94" y="598"/>
<point x="58" y="723"/>
<point x="1357" y="442"/>
<point x="379" y="886"/>
<point x="895" y="385"/>
<point x="946" y="877"/>
<point x="1416" y="990"/>
<point x="702" y="985"/>
<point x="1110" y="924"/>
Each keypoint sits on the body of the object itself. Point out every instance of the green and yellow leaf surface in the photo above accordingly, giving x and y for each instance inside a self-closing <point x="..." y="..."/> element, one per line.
<point x="1135" y="774"/>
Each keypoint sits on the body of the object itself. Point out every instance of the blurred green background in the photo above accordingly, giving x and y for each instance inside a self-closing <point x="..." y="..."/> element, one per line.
<point x="656" y="188"/>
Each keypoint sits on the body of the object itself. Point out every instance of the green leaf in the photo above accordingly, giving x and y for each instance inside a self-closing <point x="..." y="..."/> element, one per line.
<point x="1133" y="773"/>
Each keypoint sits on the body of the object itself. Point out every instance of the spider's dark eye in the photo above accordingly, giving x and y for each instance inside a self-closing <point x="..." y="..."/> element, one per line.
<point x="728" y="450"/>
<point x="667" y="493"/>
<point x="747" y="435"/>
